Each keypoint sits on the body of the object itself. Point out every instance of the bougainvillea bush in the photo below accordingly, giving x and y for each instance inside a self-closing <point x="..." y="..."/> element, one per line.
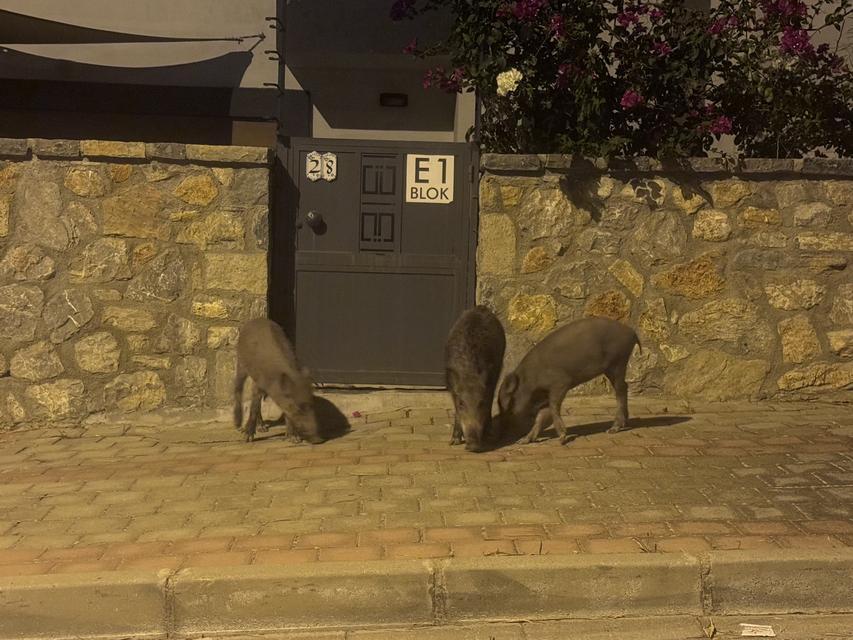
<point x="651" y="78"/>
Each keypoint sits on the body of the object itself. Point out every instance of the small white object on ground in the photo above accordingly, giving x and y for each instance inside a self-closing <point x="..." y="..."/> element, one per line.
<point x="757" y="630"/>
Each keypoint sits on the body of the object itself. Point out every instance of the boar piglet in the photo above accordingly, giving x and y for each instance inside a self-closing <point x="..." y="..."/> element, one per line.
<point x="565" y="358"/>
<point x="473" y="357"/>
<point x="265" y="355"/>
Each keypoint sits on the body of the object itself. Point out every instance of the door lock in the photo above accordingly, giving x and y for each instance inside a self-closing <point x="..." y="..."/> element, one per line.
<point x="314" y="220"/>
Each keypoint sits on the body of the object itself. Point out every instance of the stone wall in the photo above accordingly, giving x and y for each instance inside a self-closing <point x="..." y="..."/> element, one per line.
<point x="738" y="282"/>
<point x="125" y="270"/>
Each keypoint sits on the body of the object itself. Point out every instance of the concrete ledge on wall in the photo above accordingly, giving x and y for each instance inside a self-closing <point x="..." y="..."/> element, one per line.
<point x="21" y="148"/>
<point x="531" y="163"/>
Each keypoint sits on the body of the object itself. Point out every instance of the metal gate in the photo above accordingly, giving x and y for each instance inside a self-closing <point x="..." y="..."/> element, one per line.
<point x="384" y="260"/>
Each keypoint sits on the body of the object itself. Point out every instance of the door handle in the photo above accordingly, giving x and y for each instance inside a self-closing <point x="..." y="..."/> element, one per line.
<point x="314" y="220"/>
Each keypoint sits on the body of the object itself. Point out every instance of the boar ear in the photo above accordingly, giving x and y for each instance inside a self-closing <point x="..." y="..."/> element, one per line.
<point x="510" y="382"/>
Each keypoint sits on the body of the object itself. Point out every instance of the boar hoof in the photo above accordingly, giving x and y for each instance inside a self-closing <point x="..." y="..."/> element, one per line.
<point x="455" y="440"/>
<point x="524" y="440"/>
<point x="249" y="437"/>
<point x="263" y="426"/>
<point x="616" y="428"/>
<point x="567" y="438"/>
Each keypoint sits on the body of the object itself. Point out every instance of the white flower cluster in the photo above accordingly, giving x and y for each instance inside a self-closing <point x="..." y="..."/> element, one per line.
<point x="508" y="81"/>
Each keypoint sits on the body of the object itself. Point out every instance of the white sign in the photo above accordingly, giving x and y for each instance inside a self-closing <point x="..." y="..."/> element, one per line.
<point x="314" y="166"/>
<point x="429" y="179"/>
<point x="319" y="166"/>
<point x="330" y="166"/>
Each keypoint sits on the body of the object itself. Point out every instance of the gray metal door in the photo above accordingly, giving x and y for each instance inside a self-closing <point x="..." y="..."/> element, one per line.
<point x="381" y="273"/>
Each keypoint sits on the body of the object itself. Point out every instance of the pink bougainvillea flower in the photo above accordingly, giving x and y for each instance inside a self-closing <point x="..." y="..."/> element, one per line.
<point x="558" y="26"/>
<point x="627" y="18"/>
<point x="783" y="8"/>
<point x="662" y="48"/>
<point x="722" y="24"/>
<point x="412" y="47"/>
<point x="721" y="125"/>
<point x="796" y="42"/>
<point x="565" y="72"/>
<point x="631" y="99"/>
<point x="655" y="14"/>
<point x="527" y="9"/>
<point x="401" y="8"/>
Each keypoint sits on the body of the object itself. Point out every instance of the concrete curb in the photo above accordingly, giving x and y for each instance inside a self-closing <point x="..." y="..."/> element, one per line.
<point x="435" y="592"/>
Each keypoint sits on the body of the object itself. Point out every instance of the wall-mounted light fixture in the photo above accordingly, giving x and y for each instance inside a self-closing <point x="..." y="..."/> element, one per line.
<point x="393" y="99"/>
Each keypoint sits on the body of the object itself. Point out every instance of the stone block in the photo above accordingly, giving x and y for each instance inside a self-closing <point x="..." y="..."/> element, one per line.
<point x="659" y="238"/>
<point x="103" y="260"/>
<point x="309" y="595"/>
<point x="165" y="151"/>
<point x="20" y="308"/>
<point x="179" y="335"/>
<point x="712" y="225"/>
<point x="715" y="376"/>
<point x="135" y="213"/>
<point x="536" y="314"/>
<point x="628" y="276"/>
<point x="221" y="227"/>
<point x="65" y="398"/>
<point x="162" y="280"/>
<point x="86" y="181"/>
<point x="496" y="245"/>
<point x="820" y="376"/>
<point x="14" y="147"/>
<point x="38" y="213"/>
<point x="56" y="148"/>
<point x="140" y="391"/>
<point x="36" y="362"/>
<point x="513" y="162"/>
<point x="799" y="294"/>
<point x="98" y="353"/>
<point x="5" y="215"/>
<point x="730" y="320"/>
<point x="699" y="278"/>
<point x="63" y="605"/>
<point x="813" y="214"/>
<point x="27" y="262"/>
<point x="191" y="378"/>
<point x="198" y="189"/>
<point x="217" y="308"/>
<point x="534" y="588"/>
<point x="841" y="342"/>
<point x="842" y="305"/>
<point x="757" y="218"/>
<point x="537" y="259"/>
<point x="229" y="154"/>
<point x="827" y="241"/>
<point x="66" y="313"/>
<point x="128" y="319"/>
<point x="610" y="304"/>
<point x="112" y="149"/>
<point x="244" y="272"/>
<point x="120" y="172"/>
<point x="727" y="193"/>
<point x="790" y="581"/>
<point x="799" y="340"/>
<point x="219" y="337"/>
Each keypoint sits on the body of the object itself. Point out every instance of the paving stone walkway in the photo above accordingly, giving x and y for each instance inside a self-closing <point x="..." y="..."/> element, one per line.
<point x="182" y="489"/>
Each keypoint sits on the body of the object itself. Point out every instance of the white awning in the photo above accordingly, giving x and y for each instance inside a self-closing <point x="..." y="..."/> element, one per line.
<point x="133" y="55"/>
<point x="153" y="18"/>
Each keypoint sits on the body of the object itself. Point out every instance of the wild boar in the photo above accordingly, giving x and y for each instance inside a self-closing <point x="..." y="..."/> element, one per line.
<point x="565" y="358"/>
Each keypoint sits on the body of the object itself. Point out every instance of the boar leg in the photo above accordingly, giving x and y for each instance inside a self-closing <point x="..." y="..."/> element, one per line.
<point x="620" y="387"/>
<point x="456" y="435"/>
<point x="555" y="401"/>
<point x="541" y="421"/>
<point x="254" y="413"/>
<point x="239" y="381"/>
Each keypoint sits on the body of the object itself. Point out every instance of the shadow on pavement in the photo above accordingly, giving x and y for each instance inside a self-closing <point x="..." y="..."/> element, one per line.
<point x="332" y="423"/>
<point x="511" y="432"/>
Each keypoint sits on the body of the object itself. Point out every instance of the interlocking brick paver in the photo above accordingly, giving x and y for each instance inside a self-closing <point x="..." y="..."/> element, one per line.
<point x="165" y="491"/>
